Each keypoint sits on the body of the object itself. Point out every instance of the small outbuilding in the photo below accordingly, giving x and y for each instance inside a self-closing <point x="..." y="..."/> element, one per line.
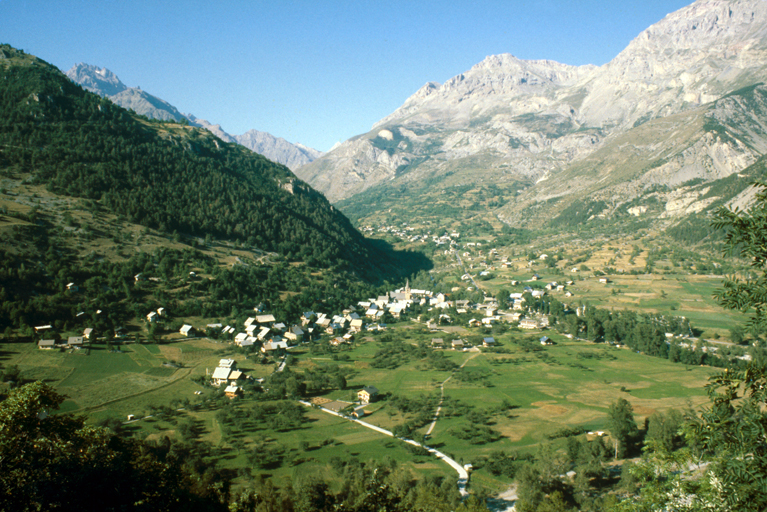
<point x="233" y="391"/>
<point x="46" y="344"/>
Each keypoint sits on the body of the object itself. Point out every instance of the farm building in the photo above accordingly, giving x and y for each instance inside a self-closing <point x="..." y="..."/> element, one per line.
<point x="368" y="394"/>
<point x="233" y="391"/>
<point x="75" y="341"/>
<point x="46" y="344"/>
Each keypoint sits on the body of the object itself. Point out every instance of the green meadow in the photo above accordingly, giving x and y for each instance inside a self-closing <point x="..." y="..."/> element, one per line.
<point x="686" y="295"/>
<point x="525" y="396"/>
<point x="519" y="393"/>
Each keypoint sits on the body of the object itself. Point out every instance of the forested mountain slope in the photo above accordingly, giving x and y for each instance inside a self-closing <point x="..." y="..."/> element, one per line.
<point x="166" y="176"/>
<point x="105" y="83"/>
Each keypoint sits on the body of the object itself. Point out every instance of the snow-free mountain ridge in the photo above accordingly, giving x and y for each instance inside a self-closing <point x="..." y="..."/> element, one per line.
<point x="105" y="83"/>
<point x="549" y="130"/>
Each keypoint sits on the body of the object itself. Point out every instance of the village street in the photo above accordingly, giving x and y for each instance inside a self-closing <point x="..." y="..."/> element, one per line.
<point x="466" y="272"/>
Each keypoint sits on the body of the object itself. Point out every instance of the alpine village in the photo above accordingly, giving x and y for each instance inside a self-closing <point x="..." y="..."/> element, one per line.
<point x="535" y="287"/>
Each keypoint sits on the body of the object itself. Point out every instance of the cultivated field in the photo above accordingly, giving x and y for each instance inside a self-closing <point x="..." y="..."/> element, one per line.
<point x="524" y="393"/>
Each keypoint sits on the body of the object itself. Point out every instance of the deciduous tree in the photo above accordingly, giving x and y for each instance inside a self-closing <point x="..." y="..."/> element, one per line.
<point x="622" y="426"/>
<point x="746" y="237"/>
<point x="54" y="461"/>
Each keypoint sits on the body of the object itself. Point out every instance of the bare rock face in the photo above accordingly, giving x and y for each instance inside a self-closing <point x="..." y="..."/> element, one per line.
<point x="105" y="83"/>
<point x="99" y="80"/>
<point x="471" y="94"/>
<point x="691" y="57"/>
<point x="580" y="129"/>
<point x="487" y="111"/>
<point x="277" y="149"/>
<point x="147" y="105"/>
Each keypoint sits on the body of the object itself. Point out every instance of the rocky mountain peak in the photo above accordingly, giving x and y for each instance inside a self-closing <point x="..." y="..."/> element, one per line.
<point x="95" y="79"/>
<point x="278" y="149"/>
<point x="507" y="65"/>
<point x="508" y="119"/>
<point x="690" y="57"/>
<point x="496" y="80"/>
<point x="105" y="83"/>
<point x="705" y="24"/>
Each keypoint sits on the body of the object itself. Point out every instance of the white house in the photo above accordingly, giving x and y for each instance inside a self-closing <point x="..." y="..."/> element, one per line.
<point x="248" y="341"/>
<point x="220" y="376"/>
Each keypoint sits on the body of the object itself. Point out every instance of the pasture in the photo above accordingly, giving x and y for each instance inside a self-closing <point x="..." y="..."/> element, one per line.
<point x="523" y="395"/>
<point x="520" y="392"/>
<point x="687" y="295"/>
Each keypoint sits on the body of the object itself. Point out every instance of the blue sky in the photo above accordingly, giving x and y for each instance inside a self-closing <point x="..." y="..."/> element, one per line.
<point x="315" y="72"/>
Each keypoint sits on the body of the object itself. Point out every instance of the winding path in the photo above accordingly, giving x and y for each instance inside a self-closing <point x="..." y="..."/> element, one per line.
<point x="463" y="475"/>
<point x="442" y="392"/>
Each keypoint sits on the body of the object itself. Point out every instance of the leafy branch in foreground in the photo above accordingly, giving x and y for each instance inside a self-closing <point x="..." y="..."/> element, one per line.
<point x="726" y="469"/>
<point x="746" y="236"/>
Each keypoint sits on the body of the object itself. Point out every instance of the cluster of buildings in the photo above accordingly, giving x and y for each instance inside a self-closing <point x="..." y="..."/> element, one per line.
<point x="49" y="339"/>
<point x="227" y="374"/>
<point x="411" y="234"/>
<point x="461" y="344"/>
